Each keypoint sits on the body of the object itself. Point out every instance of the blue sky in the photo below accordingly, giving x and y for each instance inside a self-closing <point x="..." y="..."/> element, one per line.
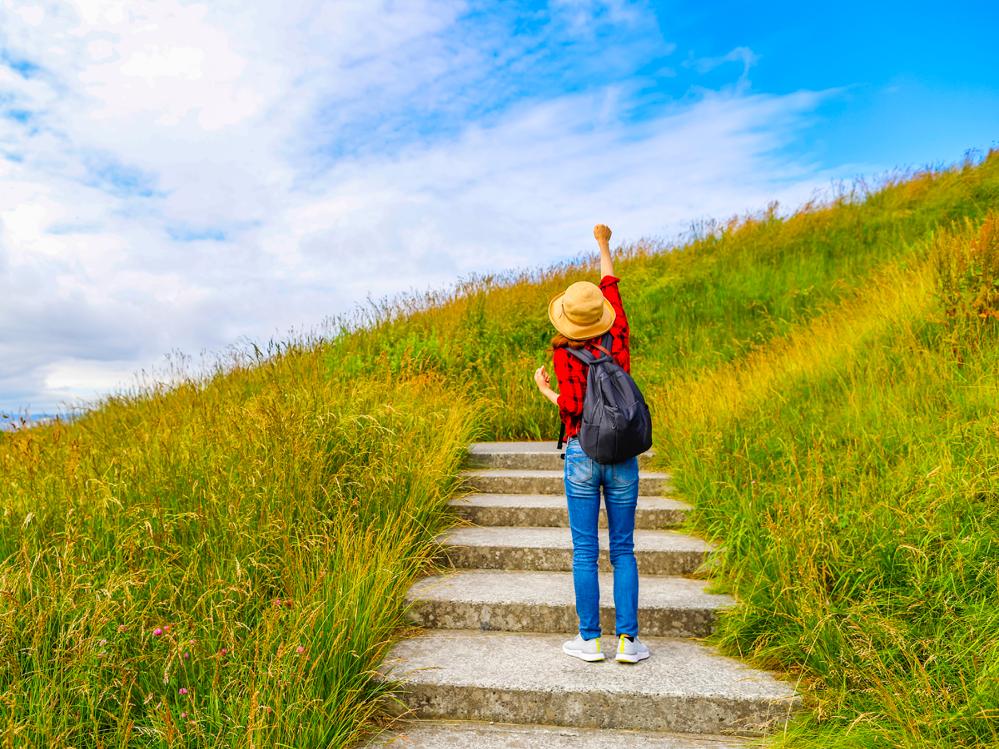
<point x="919" y="81"/>
<point x="909" y="84"/>
<point x="181" y="176"/>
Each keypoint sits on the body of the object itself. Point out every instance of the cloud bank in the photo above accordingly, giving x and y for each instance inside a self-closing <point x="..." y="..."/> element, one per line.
<point x="177" y="175"/>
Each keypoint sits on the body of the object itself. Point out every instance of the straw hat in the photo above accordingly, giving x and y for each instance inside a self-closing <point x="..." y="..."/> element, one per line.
<point x="581" y="311"/>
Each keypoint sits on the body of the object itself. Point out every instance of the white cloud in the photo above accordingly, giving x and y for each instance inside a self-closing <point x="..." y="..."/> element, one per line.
<point x="584" y="16"/>
<point x="181" y="174"/>
<point x="742" y="55"/>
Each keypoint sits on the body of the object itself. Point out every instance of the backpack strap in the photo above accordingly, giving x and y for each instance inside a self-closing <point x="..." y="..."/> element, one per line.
<point x="582" y="354"/>
<point x="586" y="357"/>
<point x="605" y="345"/>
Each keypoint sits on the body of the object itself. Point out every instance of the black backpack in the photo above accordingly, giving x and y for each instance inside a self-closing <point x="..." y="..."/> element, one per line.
<point x="616" y="420"/>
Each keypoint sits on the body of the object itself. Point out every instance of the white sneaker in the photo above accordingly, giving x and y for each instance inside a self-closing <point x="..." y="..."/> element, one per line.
<point x="586" y="650"/>
<point x="630" y="651"/>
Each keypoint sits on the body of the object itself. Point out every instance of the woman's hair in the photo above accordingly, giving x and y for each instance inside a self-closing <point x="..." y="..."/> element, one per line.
<point x="559" y="340"/>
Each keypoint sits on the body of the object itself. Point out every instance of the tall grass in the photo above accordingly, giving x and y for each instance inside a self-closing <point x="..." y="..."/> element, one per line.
<point x="824" y="391"/>
<point x="851" y="472"/>
<point x="248" y="540"/>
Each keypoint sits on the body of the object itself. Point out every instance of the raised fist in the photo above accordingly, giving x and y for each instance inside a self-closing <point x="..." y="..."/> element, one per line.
<point x="602" y="233"/>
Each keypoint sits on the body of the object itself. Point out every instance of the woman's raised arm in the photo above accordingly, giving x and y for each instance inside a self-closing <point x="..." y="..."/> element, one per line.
<point x="603" y="235"/>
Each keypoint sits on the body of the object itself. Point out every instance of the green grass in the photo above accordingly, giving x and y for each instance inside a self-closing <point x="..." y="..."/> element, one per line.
<point x="825" y="393"/>
<point x="272" y="508"/>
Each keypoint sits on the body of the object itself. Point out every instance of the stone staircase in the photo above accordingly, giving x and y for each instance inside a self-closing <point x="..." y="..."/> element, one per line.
<point x="489" y="670"/>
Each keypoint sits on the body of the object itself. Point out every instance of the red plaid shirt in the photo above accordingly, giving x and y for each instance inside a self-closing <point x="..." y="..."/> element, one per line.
<point x="571" y="372"/>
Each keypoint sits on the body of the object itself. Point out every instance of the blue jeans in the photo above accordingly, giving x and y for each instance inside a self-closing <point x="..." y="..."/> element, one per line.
<point x="583" y="479"/>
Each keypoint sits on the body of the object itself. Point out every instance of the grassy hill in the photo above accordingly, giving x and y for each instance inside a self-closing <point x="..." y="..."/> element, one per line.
<point x="223" y="563"/>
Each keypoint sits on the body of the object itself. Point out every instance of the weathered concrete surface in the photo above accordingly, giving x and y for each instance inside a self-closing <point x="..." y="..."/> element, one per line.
<point x="549" y="510"/>
<point x="530" y="455"/>
<point x="525" y="678"/>
<point x="473" y="735"/>
<point x="507" y="601"/>
<point x="657" y="552"/>
<point x="519" y="481"/>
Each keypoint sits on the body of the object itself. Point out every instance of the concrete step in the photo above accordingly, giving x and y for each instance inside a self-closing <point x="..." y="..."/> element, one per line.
<point x="545" y="602"/>
<point x="657" y="552"/>
<point x="516" y="481"/>
<point x="525" y="455"/>
<point x="525" y="678"/>
<point x="549" y="510"/>
<point x="432" y="734"/>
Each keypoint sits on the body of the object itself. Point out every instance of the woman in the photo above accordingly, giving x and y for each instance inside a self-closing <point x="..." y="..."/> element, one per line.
<point x="582" y="314"/>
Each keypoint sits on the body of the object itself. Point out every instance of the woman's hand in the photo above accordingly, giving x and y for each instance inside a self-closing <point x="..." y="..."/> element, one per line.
<point x="541" y="379"/>
<point x="544" y="384"/>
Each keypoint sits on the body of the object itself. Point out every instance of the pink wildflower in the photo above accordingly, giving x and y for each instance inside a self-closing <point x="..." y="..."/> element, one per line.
<point x="186" y="655"/>
<point x="157" y="632"/>
<point x="300" y="649"/>
<point x="183" y="691"/>
<point x="183" y="715"/>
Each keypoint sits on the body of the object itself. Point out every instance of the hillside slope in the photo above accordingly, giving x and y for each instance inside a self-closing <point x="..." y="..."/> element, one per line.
<point x="825" y="394"/>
